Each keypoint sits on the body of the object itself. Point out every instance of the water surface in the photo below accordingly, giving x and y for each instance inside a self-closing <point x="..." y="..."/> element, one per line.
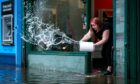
<point x="15" y="75"/>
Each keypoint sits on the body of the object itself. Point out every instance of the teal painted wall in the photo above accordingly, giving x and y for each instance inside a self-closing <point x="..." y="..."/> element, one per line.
<point x="74" y="62"/>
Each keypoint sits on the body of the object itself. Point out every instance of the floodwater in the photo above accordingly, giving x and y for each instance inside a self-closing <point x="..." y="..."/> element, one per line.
<point x="15" y="75"/>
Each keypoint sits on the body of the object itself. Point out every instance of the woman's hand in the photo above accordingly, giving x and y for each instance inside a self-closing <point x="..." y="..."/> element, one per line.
<point x="94" y="46"/>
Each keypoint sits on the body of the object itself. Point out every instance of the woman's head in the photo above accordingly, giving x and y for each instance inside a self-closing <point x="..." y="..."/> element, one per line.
<point x="95" y="23"/>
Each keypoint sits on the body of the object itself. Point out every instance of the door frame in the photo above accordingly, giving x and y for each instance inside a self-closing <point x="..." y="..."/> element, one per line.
<point x="134" y="40"/>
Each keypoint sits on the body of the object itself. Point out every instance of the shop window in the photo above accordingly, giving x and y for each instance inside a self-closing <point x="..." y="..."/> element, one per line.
<point x="64" y="14"/>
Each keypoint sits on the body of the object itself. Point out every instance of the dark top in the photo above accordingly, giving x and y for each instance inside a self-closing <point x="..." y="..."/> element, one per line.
<point x="98" y="35"/>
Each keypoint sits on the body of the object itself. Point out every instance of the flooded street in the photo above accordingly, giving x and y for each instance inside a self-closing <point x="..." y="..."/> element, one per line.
<point x="14" y="75"/>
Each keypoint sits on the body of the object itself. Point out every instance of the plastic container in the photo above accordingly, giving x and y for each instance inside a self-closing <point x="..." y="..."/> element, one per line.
<point x="86" y="46"/>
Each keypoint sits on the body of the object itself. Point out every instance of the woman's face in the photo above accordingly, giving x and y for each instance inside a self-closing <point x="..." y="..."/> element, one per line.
<point x="94" y="25"/>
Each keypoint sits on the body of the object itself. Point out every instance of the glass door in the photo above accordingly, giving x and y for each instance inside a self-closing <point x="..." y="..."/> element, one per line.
<point x="120" y="38"/>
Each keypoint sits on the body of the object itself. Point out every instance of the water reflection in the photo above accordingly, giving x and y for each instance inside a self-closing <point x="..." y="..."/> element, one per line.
<point x="15" y="75"/>
<point x="10" y="75"/>
<point x="36" y="76"/>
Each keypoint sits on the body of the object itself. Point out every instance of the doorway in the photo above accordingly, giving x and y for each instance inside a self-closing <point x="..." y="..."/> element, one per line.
<point x="104" y="10"/>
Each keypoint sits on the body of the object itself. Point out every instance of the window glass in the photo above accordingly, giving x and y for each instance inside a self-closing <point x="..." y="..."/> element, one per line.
<point x="66" y="15"/>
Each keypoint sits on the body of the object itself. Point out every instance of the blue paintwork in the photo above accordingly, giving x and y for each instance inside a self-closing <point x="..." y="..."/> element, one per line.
<point x="14" y="51"/>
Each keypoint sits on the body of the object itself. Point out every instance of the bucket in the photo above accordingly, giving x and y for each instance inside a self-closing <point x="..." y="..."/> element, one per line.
<point x="86" y="46"/>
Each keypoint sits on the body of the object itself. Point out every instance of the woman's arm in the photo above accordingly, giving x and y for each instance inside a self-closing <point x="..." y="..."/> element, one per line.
<point x="88" y="35"/>
<point x="104" y="39"/>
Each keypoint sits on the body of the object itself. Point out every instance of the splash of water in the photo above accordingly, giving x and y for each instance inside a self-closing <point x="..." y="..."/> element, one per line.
<point x="44" y="35"/>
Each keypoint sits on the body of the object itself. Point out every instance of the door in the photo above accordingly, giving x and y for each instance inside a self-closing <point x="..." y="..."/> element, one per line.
<point x="120" y="38"/>
<point x="133" y="17"/>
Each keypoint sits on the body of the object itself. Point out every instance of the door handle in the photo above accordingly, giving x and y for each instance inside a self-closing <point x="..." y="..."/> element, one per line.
<point x="126" y="45"/>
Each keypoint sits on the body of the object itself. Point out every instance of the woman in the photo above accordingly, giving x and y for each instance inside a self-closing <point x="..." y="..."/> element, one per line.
<point x="102" y="35"/>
